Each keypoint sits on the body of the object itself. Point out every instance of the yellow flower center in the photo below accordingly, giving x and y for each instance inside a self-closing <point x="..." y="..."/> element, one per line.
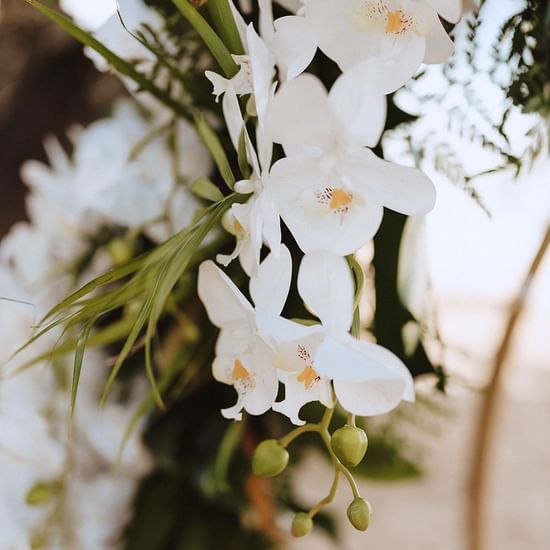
<point x="308" y="376"/>
<point x="340" y="199"/>
<point x="394" y="22"/>
<point x="239" y="229"/>
<point x="239" y="371"/>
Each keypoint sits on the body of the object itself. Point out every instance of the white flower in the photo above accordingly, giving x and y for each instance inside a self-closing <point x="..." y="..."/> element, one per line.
<point x="243" y="358"/>
<point x="331" y="189"/>
<point x="402" y="33"/>
<point x="368" y="379"/>
<point x="254" y="78"/>
<point x="87" y="14"/>
<point x="122" y="172"/>
<point x="117" y="34"/>
<point x="257" y="221"/>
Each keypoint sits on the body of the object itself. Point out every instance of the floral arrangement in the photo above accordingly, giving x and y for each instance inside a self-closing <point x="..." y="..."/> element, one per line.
<point x="214" y="218"/>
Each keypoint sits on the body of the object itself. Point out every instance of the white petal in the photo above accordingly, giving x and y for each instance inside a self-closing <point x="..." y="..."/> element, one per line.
<point x="300" y="115"/>
<point x="295" y="183"/>
<point x="439" y="46"/>
<point x="346" y="358"/>
<point x="295" y="44"/>
<point x="450" y="10"/>
<point x="271" y="222"/>
<point x="369" y="398"/>
<point x="270" y="286"/>
<point x="326" y="285"/>
<point x="239" y="21"/>
<point x="413" y="275"/>
<point x="360" y="107"/>
<point x="263" y="64"/>
<point x="283" y="331"/>
<point x="400" y="188"/>
<point x="223" y="301"/>
<point x="297" y="395"/>
<point x="233" y="116"/>
<point x="261" y="398"/>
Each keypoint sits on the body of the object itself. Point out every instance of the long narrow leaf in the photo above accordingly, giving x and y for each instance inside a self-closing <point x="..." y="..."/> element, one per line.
<point x="78" y="359"/>
<point x="210" y="139"/>
<point x="223" y="19"/>
<point x="209" y="36"/>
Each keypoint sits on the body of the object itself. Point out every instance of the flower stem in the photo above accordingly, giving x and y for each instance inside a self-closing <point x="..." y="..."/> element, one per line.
<point x="291" y="436"/>
<point x="329" y="498"/>
<point x="340" y="467"/>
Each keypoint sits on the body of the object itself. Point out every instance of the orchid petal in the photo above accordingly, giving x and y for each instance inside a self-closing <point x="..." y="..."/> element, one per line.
<point x="326" y="285"/>
<point x="370" y="398"/>
<point x="271" y="222"/>
<point x="294" y="44"/>
<point x="297" y="395"/>
<point x="263" y="63"/>
<point x="270" y="286"/>
<point x="223" y="301"/>
<point x="439" y="46"/>
<point x="300" y="115"/>
<point x="401" y="188"/>
<point x="261" y="398"/>
<point x="360" y="108"/>
<point x="450" y="10"/>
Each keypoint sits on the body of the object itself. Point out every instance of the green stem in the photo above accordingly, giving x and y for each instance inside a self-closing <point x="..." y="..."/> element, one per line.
<point x="224" y="22"/>
<point x="339" y="466"/>
<point x="329" y="498"/>
<point x="325" y="421"/>
<point x="209" y="36"/>
<point x="291" y="436"/>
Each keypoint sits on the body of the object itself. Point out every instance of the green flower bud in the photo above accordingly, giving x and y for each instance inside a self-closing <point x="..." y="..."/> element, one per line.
<point x="359" y="514"/>
<point x="349" y="445"/>
<point x="41" y="493"/>
<point x="302" y="525"/>
<point x="270" y="459"/>
<point x="121" y="250"/>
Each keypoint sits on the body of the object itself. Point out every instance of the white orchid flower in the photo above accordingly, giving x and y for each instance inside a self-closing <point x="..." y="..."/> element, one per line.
<point x="256" y="221"/>
<point x="402" y="33"/>
<point x="330" y="190"/>
<point x="368" y="379"/>
<point x="244" y="359"/>
<point x="118" y="34"/>
<point x="255" y="77"/>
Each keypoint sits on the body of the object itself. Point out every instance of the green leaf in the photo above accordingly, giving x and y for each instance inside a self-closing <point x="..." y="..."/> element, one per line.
<point x="122" y="66"/>
<point x="242" y="157"/>
<point x="210" y="139"/>
<point x="223" y="19"/>
<point x="206" y="189"/>
<point x="78" y="358"/>
<point x="359" y="276"/>
<point x="209" y="36"/>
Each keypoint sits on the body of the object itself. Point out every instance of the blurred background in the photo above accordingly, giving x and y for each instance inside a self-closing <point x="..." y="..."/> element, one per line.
<point x="482" y="239"/>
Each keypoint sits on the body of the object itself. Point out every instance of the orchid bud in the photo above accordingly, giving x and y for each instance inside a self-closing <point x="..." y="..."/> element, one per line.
<point x="302" y="525"/>
<point x="349" y="445"/>
<point x="270" y="459"/>
<point x="359" y="514"/>
<point x="121" y="250"/>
